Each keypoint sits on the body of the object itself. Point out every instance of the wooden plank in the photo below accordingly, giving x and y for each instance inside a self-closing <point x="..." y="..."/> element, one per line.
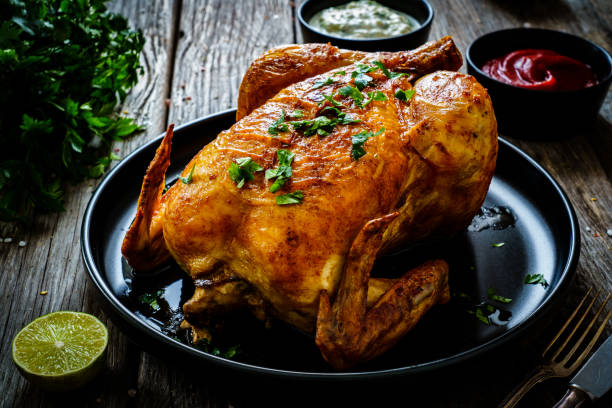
<point x="51" y="260"/>
<point x="217" y="42"/>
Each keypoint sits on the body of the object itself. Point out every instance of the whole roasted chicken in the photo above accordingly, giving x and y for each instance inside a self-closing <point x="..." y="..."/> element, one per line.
<point x="336" y="157"/>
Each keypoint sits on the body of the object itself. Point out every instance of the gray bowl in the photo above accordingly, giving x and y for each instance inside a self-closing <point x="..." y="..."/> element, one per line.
<point x="421" y="10"/>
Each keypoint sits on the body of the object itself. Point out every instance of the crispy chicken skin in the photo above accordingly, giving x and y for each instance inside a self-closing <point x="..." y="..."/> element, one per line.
<point x="426" y="174"/>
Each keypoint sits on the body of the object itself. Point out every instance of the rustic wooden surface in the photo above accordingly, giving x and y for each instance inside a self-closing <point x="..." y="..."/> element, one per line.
<point x="194" y="58"/>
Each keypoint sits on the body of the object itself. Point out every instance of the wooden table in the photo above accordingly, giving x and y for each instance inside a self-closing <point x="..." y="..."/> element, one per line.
<point x="195" y="55"/>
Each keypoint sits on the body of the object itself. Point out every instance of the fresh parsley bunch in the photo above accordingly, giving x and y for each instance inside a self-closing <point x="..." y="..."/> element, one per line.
<point x="64" y="67"/>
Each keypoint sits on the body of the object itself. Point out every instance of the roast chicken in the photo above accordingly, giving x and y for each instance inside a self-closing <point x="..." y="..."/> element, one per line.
<point x="325" y="169"/>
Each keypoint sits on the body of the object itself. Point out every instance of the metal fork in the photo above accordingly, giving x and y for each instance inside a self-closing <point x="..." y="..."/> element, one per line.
<point x="556" y="366"/>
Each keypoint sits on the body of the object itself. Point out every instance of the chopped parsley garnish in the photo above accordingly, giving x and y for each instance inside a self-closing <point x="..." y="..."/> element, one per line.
<point x="242" y="170"/>
<point x="290" y="198"/>
<point x="278" y="125"/>
<point x="388" y="74"/>
<point x="498" y="244"/>
<point x="375" y="96"/>
<point x="298" y="113"/>
<point x="187" y="180"/>
<point x="343" y="118"/>
<point x="205" y="346"/>
<point x="493" y="296"/>
<point x="362" y="80"/>
<point x="353" y="93"/>
<point x="331" y="100"/>
<point x="480" y="315"/>
<point x="535" y="279"/>
<point x="359" y="139"/>
<point x="282" y="172"/>
<point x="321" y="125"/>
<point x="339" y="73"/>
<point x="151" y="299"/>
<point x="404" y="96"/>
<point x="363" y="69"/>
<point x="320" y="84"/>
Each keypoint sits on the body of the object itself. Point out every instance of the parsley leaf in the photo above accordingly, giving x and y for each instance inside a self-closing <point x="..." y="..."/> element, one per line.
<point x="331" y="99"/>
<point x="480" y="315"/>
<point x="187" y="180"/>
<point x="290" y="198"/>
<point x="229" y="353"/>
<point x="404" y="96"/>
<point x="321" y="125"/>
<point x="151" y="299"/>
<point x="282" y="172"/>
<point x="363" y="69"/>
<point x="339" y="73"/>
<point x="343" y="118"/>
<point x="535" y="279"/>
<point x="388" y="74"/>
<point x="493" y="296"/>
<point x="320" y="84"/>
<point x="298" y="113"/>
<point x="359" y="139"/>
<point x="375" y="96"/>
<point x="278" y="125"/>
<point x="362" y="80"/>
<point x="65" y="66"/>
<point x="353" y="93"/>
<point x="242" y="170"/>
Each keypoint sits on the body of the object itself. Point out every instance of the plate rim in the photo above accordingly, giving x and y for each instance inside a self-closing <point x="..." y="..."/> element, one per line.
<point x="96" y="276"/>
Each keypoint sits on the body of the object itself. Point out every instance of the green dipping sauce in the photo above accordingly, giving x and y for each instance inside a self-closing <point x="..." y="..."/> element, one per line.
<point x="363" y="19"/>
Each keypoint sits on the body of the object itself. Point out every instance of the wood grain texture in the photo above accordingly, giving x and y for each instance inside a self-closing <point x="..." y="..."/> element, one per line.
<point x="51" y="260"/>
<point x="215" y="42"/>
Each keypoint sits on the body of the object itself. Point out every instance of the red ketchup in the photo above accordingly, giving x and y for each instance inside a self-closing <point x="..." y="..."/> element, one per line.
<point x="540" y="69"/>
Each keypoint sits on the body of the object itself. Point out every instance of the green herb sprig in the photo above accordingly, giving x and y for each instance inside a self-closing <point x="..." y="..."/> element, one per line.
<point x="322" y="125"/>
<point x="362" y="80"/>
<point x="65" y="66"/>
<point x="359" y="139"/>
<point x="241" y="171"/>
<point x="404" y="96"/>
<point x="320" y="84"/>
<point x="535" y="279"/>
<point x="494" y="296"/>
<point x="283" y="172"/>
<point x="388" y="74"/>
<point x="187" y="180"/>
<point x="152" y="299"/>
<point x="278" y="125"/>
<point x="290" y="198"/>
<point x="354" y="93"/>
<point x="375" y="96"/>
<point x="330" y="99"/>
<point x="229" y="352"/>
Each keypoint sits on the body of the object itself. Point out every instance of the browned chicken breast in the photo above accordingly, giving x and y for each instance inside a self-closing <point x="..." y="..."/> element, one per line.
<point x="336" y="156"/>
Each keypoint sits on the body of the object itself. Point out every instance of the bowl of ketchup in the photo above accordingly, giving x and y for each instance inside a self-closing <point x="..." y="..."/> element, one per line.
<point x="544" y="84"/>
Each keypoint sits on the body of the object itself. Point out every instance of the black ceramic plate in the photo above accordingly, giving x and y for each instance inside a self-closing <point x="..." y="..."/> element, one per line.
<point x="538" y="234"/>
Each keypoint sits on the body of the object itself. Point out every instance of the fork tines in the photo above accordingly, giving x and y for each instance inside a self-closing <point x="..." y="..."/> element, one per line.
<point x="571" y="354"/>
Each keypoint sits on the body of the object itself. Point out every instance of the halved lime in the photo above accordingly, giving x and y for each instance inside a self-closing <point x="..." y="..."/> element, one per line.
<point x="62" y="350"/>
